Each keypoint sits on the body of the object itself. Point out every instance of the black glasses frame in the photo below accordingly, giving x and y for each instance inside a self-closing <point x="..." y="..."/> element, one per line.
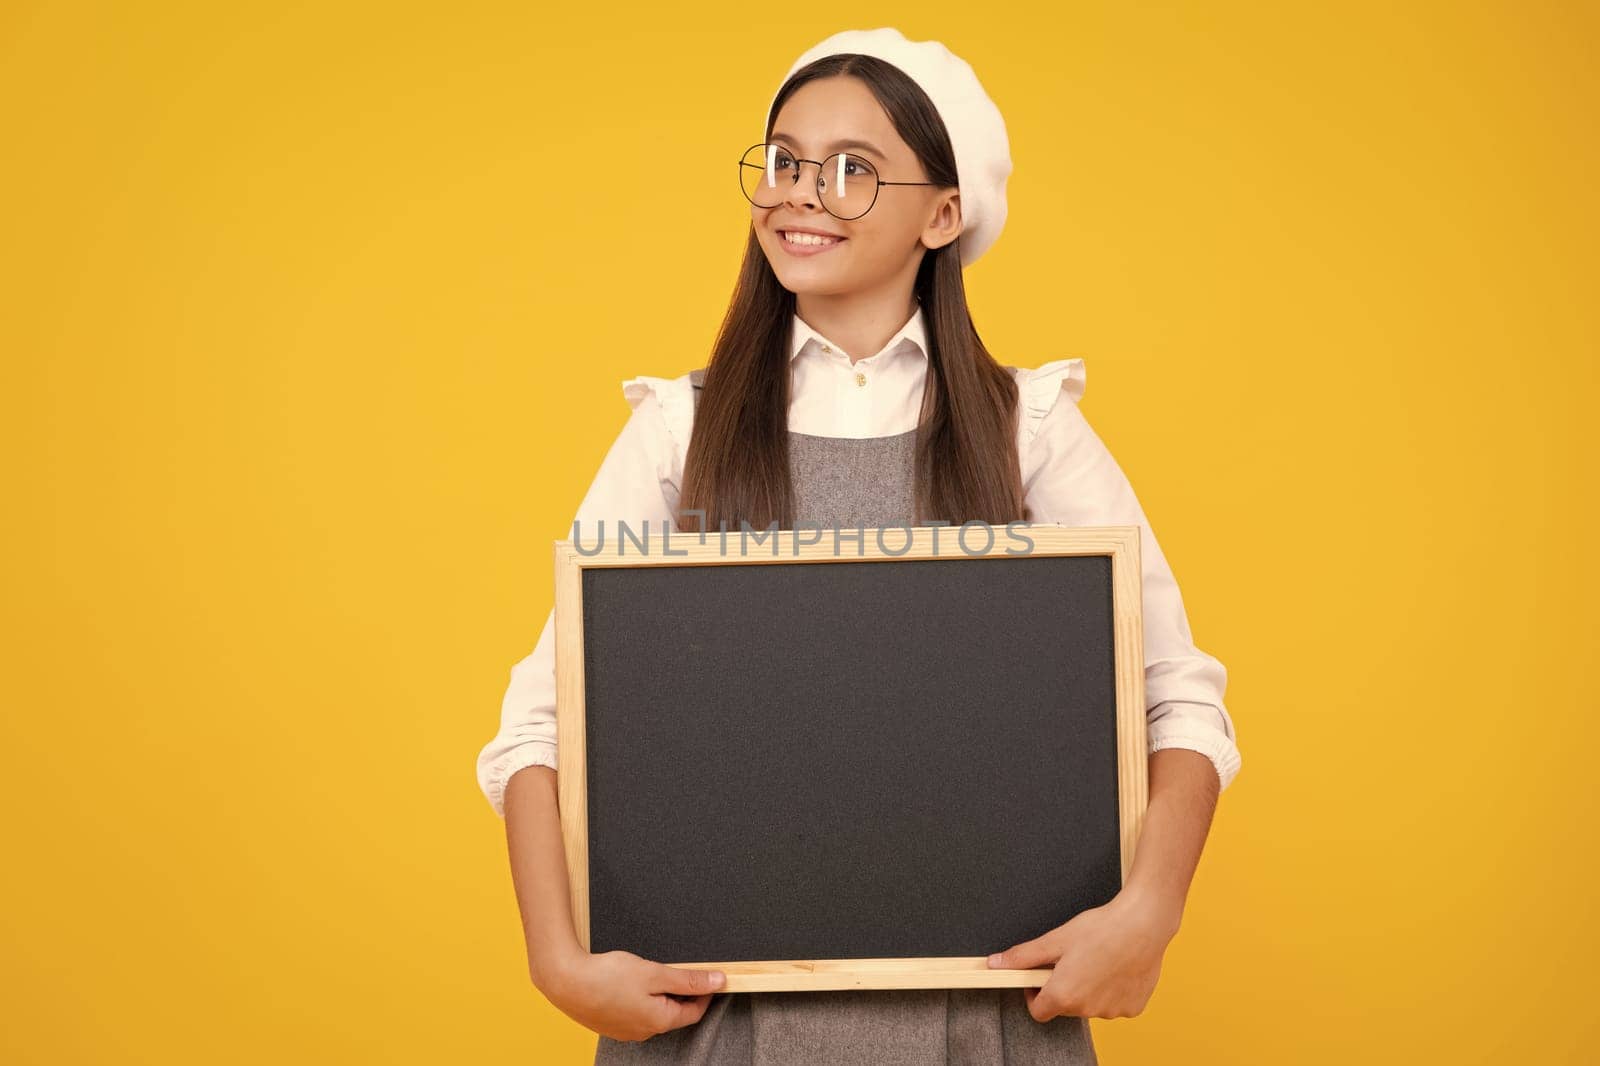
<point x="821" y="196"/>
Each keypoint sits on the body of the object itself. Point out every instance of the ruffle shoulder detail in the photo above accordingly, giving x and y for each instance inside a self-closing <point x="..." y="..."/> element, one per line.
<point x="1041" y="387"/>
<point x="675" y="398"/>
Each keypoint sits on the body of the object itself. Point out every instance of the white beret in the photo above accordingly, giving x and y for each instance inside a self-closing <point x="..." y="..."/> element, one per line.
<point x="977" y="132"/>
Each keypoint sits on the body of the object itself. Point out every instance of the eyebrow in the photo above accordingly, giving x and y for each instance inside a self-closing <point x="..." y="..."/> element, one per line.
<point x="835" y="146"/>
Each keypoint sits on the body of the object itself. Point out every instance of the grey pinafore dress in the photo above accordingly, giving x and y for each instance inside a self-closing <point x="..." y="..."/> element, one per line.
<point x="860" y="481"/>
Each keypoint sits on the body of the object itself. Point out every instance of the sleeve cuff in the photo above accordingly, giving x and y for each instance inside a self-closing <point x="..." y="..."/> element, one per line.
<point x="1223" y="752"/>
<point x="533" y="753"/>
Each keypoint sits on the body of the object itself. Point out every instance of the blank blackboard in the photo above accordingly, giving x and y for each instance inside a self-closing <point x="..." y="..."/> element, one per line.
<point x="818" y="770"/>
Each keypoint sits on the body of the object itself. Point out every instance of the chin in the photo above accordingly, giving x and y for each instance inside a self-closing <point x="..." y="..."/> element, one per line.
<point x="804" y="286"/>
<point x="799" y="276"/>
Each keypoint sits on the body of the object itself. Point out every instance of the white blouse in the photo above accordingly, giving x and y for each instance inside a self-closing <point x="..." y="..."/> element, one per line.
<point x="1068" y="476"/>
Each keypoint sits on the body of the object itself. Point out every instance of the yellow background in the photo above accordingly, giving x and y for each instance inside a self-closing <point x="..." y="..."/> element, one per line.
<point x="314" y="323"/>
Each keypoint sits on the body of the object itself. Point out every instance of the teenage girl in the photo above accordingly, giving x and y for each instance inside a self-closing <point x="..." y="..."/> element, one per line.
<point x="848" y="387"/>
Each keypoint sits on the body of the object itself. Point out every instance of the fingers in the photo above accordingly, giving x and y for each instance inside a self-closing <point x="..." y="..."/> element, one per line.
<point x="674" y="1013"/>
<point x="685" y="982"/>
<point x="1040" y="1008"/>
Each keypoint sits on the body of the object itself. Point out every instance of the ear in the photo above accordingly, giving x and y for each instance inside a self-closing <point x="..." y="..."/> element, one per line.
<point x="945" y="225"/>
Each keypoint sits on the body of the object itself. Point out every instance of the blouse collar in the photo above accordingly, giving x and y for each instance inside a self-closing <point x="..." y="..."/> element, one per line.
<point x="913" y="336"/>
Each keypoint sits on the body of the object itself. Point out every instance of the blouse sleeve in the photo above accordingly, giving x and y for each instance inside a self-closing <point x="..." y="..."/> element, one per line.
<point x="636" y="483"/>
<point x="1070" y="477"/>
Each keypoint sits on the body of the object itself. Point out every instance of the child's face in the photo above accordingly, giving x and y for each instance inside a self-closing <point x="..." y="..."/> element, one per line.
<point x="882" y="246"/>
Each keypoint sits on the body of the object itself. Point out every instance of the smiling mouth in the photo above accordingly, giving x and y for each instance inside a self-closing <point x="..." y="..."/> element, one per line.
<point x="808" y="240"/>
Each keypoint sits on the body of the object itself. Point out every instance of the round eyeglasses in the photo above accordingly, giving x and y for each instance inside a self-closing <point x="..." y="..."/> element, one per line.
<point x="847" y="185"/>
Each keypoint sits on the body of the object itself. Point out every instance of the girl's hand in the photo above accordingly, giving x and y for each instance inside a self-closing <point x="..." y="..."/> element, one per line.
<point x="1106" y="961"/>
<point x="620" y="995"/>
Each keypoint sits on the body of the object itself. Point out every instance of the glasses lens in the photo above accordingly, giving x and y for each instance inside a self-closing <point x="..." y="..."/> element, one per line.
<point x="846" y="185"/>
<point x="767" y="175"/>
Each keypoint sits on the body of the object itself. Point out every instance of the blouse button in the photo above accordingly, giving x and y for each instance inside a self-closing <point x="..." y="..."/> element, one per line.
<point x="826" y="348"/>
<point x="861" y="379"/>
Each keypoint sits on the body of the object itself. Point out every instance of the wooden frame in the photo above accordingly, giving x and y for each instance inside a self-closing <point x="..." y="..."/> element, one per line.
<point x="1120" y="543"/>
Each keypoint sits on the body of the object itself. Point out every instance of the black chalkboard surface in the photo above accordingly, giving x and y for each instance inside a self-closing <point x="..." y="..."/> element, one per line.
<point x="816" y="768"/>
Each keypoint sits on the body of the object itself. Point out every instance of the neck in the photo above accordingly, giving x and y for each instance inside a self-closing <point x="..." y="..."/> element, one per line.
<point x="861" y="323"/>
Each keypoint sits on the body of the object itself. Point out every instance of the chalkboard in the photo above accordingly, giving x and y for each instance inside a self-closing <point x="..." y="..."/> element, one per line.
<point x="818" y="763"/>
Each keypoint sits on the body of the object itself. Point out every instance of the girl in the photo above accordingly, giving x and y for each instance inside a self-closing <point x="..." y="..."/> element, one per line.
<point x="881" y="174"/>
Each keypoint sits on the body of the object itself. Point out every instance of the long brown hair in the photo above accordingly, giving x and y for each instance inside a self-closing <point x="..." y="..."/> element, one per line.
<point x="737" y="465"/>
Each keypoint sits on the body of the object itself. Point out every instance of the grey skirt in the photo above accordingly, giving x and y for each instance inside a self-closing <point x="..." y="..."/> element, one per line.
<point x="879" y="1027"/>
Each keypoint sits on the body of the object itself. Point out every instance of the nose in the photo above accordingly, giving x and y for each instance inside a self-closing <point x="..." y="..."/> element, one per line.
<point x="803" y="194"/>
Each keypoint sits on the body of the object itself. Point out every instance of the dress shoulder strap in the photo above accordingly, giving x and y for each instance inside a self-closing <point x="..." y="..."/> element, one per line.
<point x="697" y="381"/>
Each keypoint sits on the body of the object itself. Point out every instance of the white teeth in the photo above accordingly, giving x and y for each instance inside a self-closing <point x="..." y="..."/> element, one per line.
<point x="808" y="238"/>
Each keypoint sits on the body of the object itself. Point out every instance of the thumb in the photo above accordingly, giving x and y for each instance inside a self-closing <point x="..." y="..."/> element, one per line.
<point x="1027" y="955"/>
<point x="684" y="981"/>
